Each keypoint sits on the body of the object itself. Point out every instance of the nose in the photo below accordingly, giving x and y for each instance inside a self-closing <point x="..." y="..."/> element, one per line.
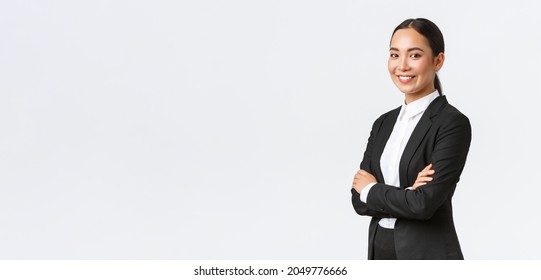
<point x="403" y="65"/>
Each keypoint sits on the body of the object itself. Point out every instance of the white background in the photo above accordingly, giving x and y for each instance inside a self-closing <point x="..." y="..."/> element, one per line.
<point x="232" y="129"/>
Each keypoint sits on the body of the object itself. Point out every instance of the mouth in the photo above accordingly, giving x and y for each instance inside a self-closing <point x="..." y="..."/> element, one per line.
<point x="405" y="78"/>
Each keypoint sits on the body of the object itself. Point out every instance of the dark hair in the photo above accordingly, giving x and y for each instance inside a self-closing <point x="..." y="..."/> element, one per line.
<point x="432" y="34"/>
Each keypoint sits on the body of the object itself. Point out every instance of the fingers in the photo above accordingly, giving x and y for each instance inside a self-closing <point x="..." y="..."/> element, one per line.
<point x="359" y="175"/>
<point x="424" y="177"/>
<point x="428" y="167"/>
<point x="356" y="179"/>
<point x="417" y="184"/>
<point x="362" y="172"/>
<point x="361" y="179"/>
<point x="421" y="181"/>
<point x="427" y="171"/>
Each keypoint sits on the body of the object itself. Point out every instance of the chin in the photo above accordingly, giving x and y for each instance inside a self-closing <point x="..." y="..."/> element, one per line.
<point x="406" y="90"/>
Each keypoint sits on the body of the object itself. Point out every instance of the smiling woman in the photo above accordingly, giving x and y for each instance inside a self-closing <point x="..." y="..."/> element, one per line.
<point x="414" y="156"/>
<point x="414" y="59"/>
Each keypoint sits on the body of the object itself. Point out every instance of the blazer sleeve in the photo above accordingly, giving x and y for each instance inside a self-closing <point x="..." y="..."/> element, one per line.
<point x="451" y="148"/>
<point x="360" y="207"/>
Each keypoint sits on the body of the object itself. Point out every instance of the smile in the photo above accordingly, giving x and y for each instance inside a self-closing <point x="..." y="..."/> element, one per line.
<point x="405" y="79"/>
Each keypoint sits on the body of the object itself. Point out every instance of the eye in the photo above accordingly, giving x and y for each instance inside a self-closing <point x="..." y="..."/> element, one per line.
<point x="394" y="55"/>
<point x="415" y="55"/>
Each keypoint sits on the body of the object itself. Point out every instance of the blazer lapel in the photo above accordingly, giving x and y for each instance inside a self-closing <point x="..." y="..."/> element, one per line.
<point x="381" y="140"/>
<point x="417" y="137"/>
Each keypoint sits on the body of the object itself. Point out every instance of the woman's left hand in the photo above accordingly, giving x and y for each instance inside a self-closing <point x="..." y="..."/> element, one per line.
<point x="424" y="177"/>
<point x="362" y="179"/>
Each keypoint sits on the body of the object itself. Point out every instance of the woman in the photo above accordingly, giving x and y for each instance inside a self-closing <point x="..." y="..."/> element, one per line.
<point x="414" y="156"/>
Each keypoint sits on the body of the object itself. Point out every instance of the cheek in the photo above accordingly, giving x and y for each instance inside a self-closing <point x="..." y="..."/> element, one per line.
<point x="391" y="65"/>
<point x="422" y="66"/>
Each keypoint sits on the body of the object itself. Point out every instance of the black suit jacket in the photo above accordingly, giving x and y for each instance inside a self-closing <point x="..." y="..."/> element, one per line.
<point x="424" y="228"/>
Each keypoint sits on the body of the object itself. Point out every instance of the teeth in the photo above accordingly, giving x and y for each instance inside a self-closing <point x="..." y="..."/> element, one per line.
<point x="405" y="78"/>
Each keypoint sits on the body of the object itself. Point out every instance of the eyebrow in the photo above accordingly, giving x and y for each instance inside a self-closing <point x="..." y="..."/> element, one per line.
<point x="409" y="50"/>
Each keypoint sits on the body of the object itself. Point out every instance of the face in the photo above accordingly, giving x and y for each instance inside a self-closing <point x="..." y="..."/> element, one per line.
<point x="412" y="65"/>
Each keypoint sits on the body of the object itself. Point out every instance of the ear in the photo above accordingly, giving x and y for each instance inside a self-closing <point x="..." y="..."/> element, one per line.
<point x="438" y="61"/>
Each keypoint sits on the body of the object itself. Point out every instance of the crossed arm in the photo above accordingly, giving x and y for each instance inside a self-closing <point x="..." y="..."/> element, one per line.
<point x="363" y="178"/>
<point x="448" y="159"/>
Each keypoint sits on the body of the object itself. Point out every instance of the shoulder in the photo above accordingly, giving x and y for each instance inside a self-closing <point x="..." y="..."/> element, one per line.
<point x="385" y="118"/>
<point x="450" y="121"/>
<point x="391" y="115"/>
<point x="450" y="115"/>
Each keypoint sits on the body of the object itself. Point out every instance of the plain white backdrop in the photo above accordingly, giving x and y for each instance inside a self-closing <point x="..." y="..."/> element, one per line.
<point x="232" y="129"/>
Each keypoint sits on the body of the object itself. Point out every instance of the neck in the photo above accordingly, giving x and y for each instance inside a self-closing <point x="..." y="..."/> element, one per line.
<point x="413" y="97"/>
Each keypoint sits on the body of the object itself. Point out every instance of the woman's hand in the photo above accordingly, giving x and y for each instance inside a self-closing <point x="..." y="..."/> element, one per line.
<point x="423" y="177"/>
<point x="362" y="179"/>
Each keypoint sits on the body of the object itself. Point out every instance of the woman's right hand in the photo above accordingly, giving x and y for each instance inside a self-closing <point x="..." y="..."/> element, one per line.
<point x="424" y="177"/>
